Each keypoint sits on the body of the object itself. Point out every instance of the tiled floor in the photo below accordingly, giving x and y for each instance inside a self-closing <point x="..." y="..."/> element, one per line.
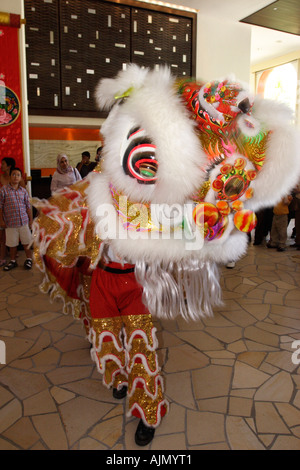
<point x="230" y="380"/>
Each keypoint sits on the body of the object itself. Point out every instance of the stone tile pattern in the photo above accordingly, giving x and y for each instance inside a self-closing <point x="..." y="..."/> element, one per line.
<point x="241" y="388"/>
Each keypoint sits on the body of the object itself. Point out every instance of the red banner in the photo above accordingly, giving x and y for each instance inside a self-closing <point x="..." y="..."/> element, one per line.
<point x="11" y="139"/>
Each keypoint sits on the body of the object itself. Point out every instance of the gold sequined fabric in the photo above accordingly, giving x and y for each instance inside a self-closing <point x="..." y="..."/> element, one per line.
<point x="64" y="232"/>
<point x="129" y="357"/>
<point x="63" y="228"/>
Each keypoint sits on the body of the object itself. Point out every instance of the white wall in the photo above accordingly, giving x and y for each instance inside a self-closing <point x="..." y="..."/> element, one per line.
<point x="223" y="48"/>
<point x="11" y="6"/>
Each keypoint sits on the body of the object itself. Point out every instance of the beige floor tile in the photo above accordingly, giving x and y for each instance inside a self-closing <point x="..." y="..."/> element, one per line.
<point x="22" y="383"/>
<point x="261" y="336"/>
<point x="64" y="375"/>
<point x="42" y="342"/>
<point x="201" y="340"/>
<point x="253" y="358"/>
<point x="6" y="445"/>
<point x="204" y="427"/>
<point x="214" y="446"/>
<point x="174" y="420"/>
<point x="227" y="335"/>
<point x="60" y="395"/>
<point x="230" y="379"/>
<point x="51" y="430"/>
<point x="286" y="443"/>
<point x="216" y="405"/>
<point x="268" y="419"/>
<point x="246" y="376"/>
<point x="240" y="435"/>
<point x="258" y="310"/>
<point x="297" y="400"/>
<point x="243" y="392"/>
<point x="282" y="359"/>
<point x="240" y="317"/>
<point x="9" y="414"/>
<point x="286" y="321"/>
<point x="39" y="319"/>
<point x="212" y="381"/>
<point x="184" y="357"/>
<point x="15" y="347"/>
<point x="78" y="357"/>
<point x="183" y="396"/>
<point x="90" y="388"/>
<point x="171" y="442"/>
<point x="267" y="439"/>
<point x="22" y="433"/>
<point x="240" y="406"/>
<point x="109" y="431"/>
<point x="296" y="431"/>
<point x="5" y="396"/>
<point x="222" y="354"/>
<point x="89" y="444"/>
<point x="289" y="413"/>
<point x="80" y="414"/>
<point x="39" y="404"/>
<point x="237" y="347"/>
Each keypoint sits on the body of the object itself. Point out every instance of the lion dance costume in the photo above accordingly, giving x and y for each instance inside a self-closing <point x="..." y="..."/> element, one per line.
<point x="185" y="166"/>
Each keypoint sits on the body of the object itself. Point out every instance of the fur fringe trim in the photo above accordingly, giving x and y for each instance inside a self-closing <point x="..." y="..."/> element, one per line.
<point x="159" y="416"/>
<point x="139" y="332"/>
<point x="158" y="381"/>
<point x="101" y="363"/>
<point x="189" y="289"/>
<point x="93" y="336"/>
<point x="131" y="363"/>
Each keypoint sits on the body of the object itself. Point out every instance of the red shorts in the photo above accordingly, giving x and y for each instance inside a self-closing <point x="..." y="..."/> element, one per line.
<point x="115" y="292"/>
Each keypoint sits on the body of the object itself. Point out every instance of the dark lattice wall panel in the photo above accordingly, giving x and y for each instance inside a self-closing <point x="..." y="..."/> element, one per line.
<point x="159" y="39"/>
<point x="95" y="43"/>
<point x="72" y="44"/>
<point x="42" y="52"/>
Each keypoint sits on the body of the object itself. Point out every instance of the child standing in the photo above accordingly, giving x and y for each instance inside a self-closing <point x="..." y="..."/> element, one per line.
<point x="279" y="224"/>
<point x="16" y="218"/>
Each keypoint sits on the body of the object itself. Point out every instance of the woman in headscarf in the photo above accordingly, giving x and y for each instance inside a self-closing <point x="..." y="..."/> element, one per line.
<point x="65" y="174"/>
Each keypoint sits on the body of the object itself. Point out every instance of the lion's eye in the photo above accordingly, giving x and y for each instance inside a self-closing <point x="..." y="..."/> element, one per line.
<point x="139" y="160"/>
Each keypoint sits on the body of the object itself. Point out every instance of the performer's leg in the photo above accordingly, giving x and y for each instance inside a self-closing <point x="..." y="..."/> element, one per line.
<point x="106" y="332"/>
<point x="145" y="382"/>
<point x="108" y="351"/>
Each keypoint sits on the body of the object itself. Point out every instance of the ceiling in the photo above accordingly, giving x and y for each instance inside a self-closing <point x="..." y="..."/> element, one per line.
<point x="276" y="16"/>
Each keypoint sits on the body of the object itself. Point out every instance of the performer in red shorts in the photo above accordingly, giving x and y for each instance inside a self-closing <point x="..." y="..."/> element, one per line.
<point x="124" y="345"/>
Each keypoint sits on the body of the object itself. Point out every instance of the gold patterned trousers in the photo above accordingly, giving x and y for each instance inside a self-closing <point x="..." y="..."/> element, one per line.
<point x="124" y="344"/>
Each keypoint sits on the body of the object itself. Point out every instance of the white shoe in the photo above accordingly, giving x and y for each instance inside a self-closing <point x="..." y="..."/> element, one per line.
<point x="230" y="265"/>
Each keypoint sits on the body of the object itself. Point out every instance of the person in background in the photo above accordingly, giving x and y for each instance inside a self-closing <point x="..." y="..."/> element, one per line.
<point x="97" y="159"/>
<point x="16" y="218"/>
<point x="279" y="225"/>
<point x="84" y="166"/>
<point x="7" y="164"/>
<point x="65" y="174"/>
<point x="297" y="216"/>
<point x="264" y="225"/>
